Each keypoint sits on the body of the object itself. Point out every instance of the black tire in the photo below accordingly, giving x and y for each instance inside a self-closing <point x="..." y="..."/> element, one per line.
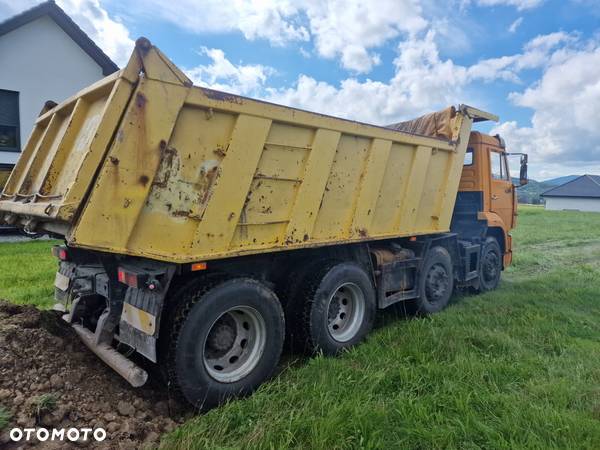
<point x="490" y="267"/>
<point x="334" y="294"/>
<point x="206" y="327"/>
<point x="436" y="282"/>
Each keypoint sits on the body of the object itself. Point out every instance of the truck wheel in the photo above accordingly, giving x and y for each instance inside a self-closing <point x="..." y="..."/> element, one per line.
<point x="225" y="340"/>
<point x="490" y="267"/>
<point x="334" y="308"/>
<point x="436" y="283"/>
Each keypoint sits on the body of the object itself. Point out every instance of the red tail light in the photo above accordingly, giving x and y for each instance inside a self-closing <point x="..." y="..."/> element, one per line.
<point x="60" y="253"/>
<point x="135" y="280"/>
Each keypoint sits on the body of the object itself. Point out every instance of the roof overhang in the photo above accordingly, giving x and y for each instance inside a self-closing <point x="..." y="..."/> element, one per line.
<point x="61" y="18"/>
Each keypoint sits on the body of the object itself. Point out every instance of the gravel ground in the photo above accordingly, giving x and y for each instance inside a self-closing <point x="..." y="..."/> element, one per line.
<point x="49" y="379"/>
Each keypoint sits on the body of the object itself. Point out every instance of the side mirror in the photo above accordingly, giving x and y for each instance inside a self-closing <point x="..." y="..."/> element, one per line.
<point x="523" y="173"/>
<point x="523" y="168"/>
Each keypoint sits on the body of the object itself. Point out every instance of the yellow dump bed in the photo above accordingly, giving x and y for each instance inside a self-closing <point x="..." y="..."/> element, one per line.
<point x="4" y="174"/>
<point x="143" y="163"/>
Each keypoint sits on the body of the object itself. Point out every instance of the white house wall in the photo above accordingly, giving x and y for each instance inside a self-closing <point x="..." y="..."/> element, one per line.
<point x="573" y="203"/>
<point x="41" y="62"/>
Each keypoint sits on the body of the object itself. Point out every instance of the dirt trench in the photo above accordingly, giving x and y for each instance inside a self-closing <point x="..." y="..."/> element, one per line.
<point x="49" y="379"/>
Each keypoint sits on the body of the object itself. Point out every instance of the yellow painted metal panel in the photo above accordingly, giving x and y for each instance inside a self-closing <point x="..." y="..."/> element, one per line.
<point x="426" y="215"/>
<point x="63" y="153"/>
<point x="370" y="184"/>
<point x="447" y="199"/>
<point x="310" y="193"/>
<point x="111" y="214"/>
<point x="143" y="163"/>
<point x="4" y="174"/>
<point x="392" y="189"/>
<point x="415" y="184"/>
<point x="335" y="214"/>
<point x="225" y="209"/>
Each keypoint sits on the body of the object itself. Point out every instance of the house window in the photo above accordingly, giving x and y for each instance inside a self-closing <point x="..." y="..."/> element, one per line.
<point x="9" y="121"/>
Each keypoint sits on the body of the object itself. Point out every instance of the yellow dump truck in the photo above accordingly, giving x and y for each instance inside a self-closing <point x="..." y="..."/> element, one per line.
<point x="5" y="170"/>
<point x="202" y="229"/>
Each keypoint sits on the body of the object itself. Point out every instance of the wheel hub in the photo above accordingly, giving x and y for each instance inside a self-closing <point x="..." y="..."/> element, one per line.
<point x="222" y="336"/>
<point x="345" y="312"/>
<point x="437" y="283"/>
<point x="234" y="344"/>
<point x="490" y="266"/>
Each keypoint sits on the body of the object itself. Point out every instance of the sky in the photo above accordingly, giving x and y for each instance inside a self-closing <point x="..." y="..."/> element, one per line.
<point x="535" y="63"/>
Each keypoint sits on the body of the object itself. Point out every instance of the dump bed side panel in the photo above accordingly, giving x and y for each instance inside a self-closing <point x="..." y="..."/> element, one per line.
<point x="145" y="164"/>
<point x="223" y="175"/>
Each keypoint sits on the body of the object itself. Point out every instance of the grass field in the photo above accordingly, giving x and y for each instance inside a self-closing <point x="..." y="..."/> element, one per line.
<point x="515" y="368"/>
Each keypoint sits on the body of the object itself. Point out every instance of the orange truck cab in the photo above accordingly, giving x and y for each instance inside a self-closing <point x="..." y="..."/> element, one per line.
<point x="486" y="203"/>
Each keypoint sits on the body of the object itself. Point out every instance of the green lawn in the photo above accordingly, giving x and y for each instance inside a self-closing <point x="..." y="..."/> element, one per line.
<point x="519" y="367"/>
<point x="27" y="272"/>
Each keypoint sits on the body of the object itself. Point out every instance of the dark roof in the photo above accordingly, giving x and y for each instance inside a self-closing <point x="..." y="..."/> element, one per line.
<point x="49" y="8"/>
<point x="583" y="186"/>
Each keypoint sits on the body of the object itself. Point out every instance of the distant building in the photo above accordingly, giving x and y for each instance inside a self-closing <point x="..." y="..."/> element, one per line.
<point x="45" y="56"/>
<point x="580" y="194"/>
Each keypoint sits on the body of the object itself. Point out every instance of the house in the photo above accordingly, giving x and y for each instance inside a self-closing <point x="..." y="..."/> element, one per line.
<point x="580" y="194"/>
<point x="45" y="56"/>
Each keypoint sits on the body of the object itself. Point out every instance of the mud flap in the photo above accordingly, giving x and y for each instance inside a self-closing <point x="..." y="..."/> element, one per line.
<point x="140" y="321"/>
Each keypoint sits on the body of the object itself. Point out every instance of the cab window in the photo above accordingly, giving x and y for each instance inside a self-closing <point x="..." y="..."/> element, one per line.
<point x="469" y="157"/>
<point x="498" y="166"/>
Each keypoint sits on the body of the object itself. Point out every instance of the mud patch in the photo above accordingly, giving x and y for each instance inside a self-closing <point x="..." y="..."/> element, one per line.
<point x="49" y="379"/>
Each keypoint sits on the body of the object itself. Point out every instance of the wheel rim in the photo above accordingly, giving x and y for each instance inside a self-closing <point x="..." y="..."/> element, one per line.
<point x="490" y="266"/>
<point x="436" y="283"/>
<point x="234" y="344"/>
<point x="345" y="312"/>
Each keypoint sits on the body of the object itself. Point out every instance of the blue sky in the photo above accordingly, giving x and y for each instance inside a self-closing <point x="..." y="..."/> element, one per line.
<point x="536" y="63"/>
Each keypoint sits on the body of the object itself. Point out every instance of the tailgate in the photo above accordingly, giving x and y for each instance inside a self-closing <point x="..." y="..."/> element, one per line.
<point x="63" y="153"/>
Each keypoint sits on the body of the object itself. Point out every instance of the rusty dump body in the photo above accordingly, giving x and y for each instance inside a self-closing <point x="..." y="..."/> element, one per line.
<point x="145" y="164"/>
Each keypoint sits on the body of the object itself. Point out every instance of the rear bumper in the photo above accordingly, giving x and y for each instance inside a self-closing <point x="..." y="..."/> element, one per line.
<point x="104" y="311"/>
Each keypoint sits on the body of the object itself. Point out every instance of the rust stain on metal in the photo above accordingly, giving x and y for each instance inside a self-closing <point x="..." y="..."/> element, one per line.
<point x="223" y="96"/>
<point x="220" y="151"/>
<point x="140" y="100"/>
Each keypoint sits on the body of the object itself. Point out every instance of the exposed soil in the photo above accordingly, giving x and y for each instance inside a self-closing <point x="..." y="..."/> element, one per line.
<point x="49" y="379"/>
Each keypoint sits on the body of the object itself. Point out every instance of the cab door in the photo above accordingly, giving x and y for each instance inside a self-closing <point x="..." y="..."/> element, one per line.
<point x="502" y="190"/>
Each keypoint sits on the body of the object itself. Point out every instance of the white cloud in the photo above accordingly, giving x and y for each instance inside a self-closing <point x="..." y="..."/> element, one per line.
<point x="344" y="29"/>
<point x="107" y="32"/>
<point x="535" y="55"/>
<point x="422" y="81"/>
<point x="348" y="29"/>
<point x="516" y="24"/>
<point x="274" y="20"/>
<point x="222" y="74"/>
<point x="563" y="135"/>
<point x="519" y="4"/>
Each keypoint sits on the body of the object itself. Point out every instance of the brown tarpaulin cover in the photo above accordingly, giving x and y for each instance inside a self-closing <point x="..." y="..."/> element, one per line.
<point x="437" y="124"/>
